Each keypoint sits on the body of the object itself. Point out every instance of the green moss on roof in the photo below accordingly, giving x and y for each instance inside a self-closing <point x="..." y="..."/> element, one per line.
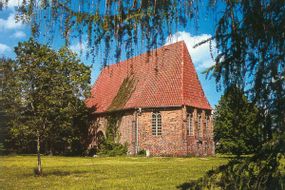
<point x="124" y="93"/>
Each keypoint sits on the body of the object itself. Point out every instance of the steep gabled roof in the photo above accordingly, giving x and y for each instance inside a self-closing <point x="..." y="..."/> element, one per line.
<point x="164" y="77"/>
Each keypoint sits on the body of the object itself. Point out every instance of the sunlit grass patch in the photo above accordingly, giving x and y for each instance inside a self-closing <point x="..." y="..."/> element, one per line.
<point x="16" y="172"/>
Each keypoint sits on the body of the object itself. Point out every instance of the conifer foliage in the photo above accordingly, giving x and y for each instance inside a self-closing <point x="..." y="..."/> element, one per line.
<point x="236" y="127"/>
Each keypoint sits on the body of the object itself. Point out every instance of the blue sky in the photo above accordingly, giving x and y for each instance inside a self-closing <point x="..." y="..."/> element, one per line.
<point x="12" y="33"/>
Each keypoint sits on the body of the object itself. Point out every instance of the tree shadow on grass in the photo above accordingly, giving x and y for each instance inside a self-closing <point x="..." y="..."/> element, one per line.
<point x="59" y="173"/>
<point x="243" y="173"/>
<point x="186" y="185"/>
<point x="64" y="173"/>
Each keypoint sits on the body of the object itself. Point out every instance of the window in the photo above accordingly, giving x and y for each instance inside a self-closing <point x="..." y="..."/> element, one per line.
<point x="156" y="123"/>
<point x="190" y="130"/>
<point x="200" y="132"/>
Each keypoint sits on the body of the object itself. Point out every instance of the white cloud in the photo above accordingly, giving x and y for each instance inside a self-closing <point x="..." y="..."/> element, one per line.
<point x="14" y="3"/>
<point x="19" y="34"/>
<point x="10" y="23"/>
<point x="4" y="48"/>
<point x="200" y="55"/>
<point x="77" y="48"/>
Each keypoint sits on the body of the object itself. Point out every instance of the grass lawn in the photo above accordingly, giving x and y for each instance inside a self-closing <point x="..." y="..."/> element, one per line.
<point x="16" y="172"/>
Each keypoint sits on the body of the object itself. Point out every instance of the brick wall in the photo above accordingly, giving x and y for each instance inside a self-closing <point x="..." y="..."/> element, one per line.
<point x="170" y="142"/>
<point x="125" y="134"/>
<point x="126" y="131"/>
<point x="98" y="124"/>
<point x="199" y="145"/>
<point x="174" y="140"/>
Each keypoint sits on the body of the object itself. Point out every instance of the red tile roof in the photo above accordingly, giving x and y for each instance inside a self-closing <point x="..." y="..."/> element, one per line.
<point x="165" y="77"/>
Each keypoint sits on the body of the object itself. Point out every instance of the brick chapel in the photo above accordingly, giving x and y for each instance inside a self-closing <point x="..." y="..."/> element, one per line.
<point x="160" y="100"/>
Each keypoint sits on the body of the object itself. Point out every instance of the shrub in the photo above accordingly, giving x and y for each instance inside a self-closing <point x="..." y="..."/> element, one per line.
<point x="113" y="149"/>
<point x="142" y="153"/>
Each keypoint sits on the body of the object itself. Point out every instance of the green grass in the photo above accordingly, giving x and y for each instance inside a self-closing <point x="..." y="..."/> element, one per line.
<point x="16" y="172"/>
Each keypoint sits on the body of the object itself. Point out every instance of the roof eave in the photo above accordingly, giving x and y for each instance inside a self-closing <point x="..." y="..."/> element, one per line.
<point x="150" y="107"/>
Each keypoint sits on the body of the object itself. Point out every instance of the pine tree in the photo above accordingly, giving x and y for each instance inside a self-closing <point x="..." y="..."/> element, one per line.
<point x="236" y="129"/>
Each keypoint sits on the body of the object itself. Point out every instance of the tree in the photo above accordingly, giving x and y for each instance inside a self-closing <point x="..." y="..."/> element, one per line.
<point x="52" y="86"/>
<point x="130" y="24"/>
<point x="250" y="39"/>
<point x="7" y="98"/>
<point x="15" y="139"/>
<point x="3" y="117"/>
<point x="236" y="129"/>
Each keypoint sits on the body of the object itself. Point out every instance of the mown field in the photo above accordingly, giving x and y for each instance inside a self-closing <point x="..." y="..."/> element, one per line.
<point x="16" y="172"/>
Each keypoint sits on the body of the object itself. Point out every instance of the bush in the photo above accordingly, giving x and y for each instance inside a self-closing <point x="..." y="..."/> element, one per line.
<point x="142" y="153"/>
<point x="113" y="149"/>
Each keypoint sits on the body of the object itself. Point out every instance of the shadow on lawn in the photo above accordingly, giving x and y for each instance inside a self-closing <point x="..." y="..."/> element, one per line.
<point x="64" y="173"/>
<point x="242" y="173"/>
<point x="58" y="173"/>
<point x="186" y="186"/>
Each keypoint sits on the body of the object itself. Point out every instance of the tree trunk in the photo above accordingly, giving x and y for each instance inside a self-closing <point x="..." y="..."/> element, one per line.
<point x="39" y="172"/>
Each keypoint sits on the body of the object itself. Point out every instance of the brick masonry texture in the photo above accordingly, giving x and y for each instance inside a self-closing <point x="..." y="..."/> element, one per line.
<point x="170" y="142"/>
<point x="174" y="140"/>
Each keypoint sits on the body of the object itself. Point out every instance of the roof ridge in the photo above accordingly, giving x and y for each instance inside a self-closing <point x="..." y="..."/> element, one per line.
<point x="151" y="52"/>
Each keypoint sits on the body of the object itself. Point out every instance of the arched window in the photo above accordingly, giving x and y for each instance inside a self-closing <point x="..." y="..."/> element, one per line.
<point x="200" y="132"/>
<point x="156" y="123"/>
<point x="190" y="129"/>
